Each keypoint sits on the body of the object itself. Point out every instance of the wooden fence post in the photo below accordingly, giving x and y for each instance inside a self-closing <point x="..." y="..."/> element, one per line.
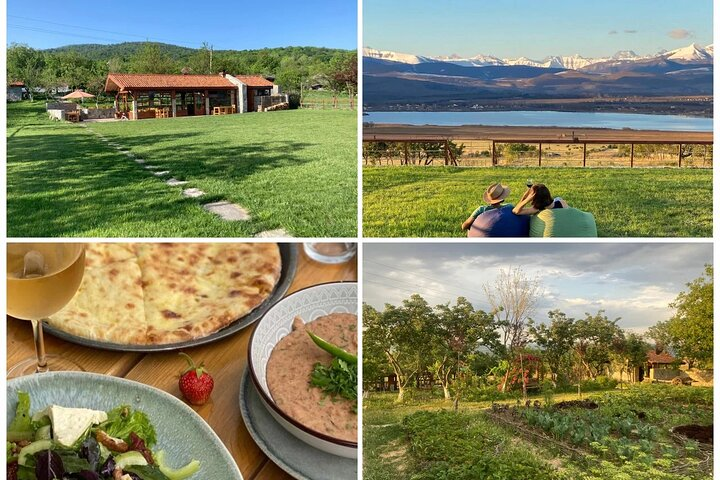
<point x="680" y="155"/>
<point x="447" y="152"/>
<point x="407" y="161"/>
<point x="584" y="153"/>
<point x="632" y="154"/>
<point x="494" y="160"/>
<point x="539" y="154"/>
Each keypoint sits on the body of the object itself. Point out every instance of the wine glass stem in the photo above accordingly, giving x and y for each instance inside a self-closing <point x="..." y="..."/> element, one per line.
<point x="39" y="346"/>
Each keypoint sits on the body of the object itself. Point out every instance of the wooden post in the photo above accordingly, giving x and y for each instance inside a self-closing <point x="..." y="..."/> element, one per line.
<point x="494" y="161"/>
<point x="207" y="103"/>
<point x="632" y="154"/>
<point x="135" y="106"/>
<point x="584" y="154"/>
<point x="173" y="102"/>
<point x="539" y="154"/>
<point x="447" y="152"/>
<point x="407" y="161"/>
<point x="680" y="155"/>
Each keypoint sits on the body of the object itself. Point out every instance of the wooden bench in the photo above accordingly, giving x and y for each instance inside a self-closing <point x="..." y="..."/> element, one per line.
<point x="72" y="116"/>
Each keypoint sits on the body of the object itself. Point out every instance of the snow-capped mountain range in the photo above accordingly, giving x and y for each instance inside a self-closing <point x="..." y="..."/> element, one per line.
<point x="693" y="53"/>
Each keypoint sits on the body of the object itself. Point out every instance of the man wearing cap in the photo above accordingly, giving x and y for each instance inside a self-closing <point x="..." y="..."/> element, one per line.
<point x="494" y="197"/>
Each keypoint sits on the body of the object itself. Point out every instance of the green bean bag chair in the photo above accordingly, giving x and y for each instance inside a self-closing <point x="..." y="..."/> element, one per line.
<point x="563" y="222"/>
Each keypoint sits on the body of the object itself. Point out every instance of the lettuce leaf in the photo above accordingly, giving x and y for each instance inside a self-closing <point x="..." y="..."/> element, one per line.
<point x="122" y="421"/>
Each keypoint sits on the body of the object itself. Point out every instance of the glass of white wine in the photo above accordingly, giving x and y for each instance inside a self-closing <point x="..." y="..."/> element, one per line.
<point x="41" y="279"/>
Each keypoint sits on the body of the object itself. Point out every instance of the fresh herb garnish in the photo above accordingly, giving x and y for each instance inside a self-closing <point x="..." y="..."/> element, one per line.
<point x="339" y="379"/>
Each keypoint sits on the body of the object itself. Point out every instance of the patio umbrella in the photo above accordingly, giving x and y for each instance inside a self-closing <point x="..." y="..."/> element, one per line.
<point x="78" y="94"/>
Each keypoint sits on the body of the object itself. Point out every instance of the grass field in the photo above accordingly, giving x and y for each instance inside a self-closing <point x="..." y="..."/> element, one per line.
<point x="640" y="202"/>
<point x="295" y="170"/>
<point x="427" y="441"/>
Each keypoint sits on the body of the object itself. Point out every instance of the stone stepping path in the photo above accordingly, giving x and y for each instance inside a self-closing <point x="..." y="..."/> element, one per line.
<point x="193" y="192"/>
<point x="228" y="211"/>
<point x="174" y="182"/>
<point x="279" y="232"/>
<point x="161" y="174"/>
<point x="151" y="167"/>
<point x="139" y="160"/>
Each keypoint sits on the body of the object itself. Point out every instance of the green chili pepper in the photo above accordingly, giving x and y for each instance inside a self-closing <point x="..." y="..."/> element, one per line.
<point x="333" y="350"/>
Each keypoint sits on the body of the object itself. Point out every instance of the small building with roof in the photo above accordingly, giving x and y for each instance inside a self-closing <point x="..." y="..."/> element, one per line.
<point x="15" y="91"/>
<point x="139" y="96"/>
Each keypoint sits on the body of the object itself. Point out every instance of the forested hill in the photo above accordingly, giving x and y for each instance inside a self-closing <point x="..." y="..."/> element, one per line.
<point x="123" y="52"/>
<point x="96" y="51"/>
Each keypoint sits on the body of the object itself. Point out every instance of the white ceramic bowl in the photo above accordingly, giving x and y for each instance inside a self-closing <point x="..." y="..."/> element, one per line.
<point x="309" y="303"/>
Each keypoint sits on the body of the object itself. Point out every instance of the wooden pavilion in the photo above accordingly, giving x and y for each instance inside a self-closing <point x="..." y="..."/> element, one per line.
<point x="139" y="96"/>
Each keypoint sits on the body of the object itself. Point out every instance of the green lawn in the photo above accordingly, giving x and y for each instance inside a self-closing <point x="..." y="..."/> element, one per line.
<point x="425" y="440"/>
<point x="295" y="170"/>
<point x="434" y="201"/>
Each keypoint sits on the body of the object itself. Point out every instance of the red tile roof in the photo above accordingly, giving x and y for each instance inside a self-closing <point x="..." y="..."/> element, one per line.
<point x="663" y="357"/>
<point x="254" y="80"/>
<point x="148" y="81"/>
<point x="129" y="81"/>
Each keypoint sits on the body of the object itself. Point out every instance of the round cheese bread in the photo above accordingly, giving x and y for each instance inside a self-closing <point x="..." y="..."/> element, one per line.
<point x="178" y="291"/>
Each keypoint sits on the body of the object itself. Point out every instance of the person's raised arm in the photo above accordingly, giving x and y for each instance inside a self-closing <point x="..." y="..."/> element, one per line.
<point x="468" y="223"/>
<point x="521" y="209"/>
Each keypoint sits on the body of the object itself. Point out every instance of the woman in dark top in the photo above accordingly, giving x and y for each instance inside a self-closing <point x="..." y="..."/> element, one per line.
<point x="536" y="199"/>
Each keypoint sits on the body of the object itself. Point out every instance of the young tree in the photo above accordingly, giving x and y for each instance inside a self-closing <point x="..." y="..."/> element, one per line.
<point x="201" y="62"/>
<point x="457" y="332"/>
<point x="513" y="298"/>
<point x="556" y="340"/>
<point x="595" y="335"/>
<point x="25" y="64"/>
<point x="401" y="334"/>
<point x="691" y="328"/>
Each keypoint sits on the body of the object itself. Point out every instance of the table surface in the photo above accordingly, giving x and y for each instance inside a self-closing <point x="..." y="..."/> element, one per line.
<point x="225" y="359"/>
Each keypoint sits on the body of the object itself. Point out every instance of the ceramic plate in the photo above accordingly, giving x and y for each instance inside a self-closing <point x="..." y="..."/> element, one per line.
<point x="288" y="254"/>
<point x="309" y="304"/>
<point x="292" y="455"/>
<point x="180" y="431"/>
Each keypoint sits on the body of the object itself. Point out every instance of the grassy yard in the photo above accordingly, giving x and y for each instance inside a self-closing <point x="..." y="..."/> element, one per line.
<point x="433" y="201"/>
<point x="427" y="441"/>
<point x="295" y="170"/>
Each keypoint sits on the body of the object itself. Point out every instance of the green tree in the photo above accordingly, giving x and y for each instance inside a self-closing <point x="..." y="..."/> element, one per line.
<point x="25" y="64"/>
<point x="595" y="335"/>
<point x="151" y="59"/>
<point x="201" y="62"/>
<point x="556" y="341"/>
<point x="457" y="332"/>
<point x="691" y="328"/>
<point x="402" y="335"/>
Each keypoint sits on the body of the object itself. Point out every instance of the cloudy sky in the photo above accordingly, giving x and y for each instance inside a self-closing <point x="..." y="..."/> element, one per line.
<point x="533" y="28"/>
<point x="633" y="281"/>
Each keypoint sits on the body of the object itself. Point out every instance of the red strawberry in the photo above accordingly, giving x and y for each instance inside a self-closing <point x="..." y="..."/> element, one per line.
<point x="195" y="383"/>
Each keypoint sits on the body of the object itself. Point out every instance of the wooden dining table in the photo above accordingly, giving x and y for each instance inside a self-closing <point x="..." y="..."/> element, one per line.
<point x="225" y="359"/>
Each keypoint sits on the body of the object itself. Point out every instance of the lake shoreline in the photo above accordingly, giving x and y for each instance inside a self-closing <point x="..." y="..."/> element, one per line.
<point x="390" y="131"/>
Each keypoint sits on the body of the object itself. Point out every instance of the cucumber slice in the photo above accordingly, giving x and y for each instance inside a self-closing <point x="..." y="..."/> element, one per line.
<point x="133" y="457"/>
<point x="43" y="433"/>
<point x="32" y="449"/>
<point x="173" y="473"/>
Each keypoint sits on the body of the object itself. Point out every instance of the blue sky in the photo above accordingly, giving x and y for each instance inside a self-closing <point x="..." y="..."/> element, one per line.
<point x="227" y="24"/>
<point x="629" y="280"/>
<point x="535" y="28"/>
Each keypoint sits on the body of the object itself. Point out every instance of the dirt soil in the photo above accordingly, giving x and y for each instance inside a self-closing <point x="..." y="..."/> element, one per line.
<point x="701" y="433"/>
<point x="587" y="404"/>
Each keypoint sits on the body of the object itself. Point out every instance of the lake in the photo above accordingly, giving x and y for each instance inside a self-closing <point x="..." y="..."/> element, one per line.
<point x="674" y="123"/>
